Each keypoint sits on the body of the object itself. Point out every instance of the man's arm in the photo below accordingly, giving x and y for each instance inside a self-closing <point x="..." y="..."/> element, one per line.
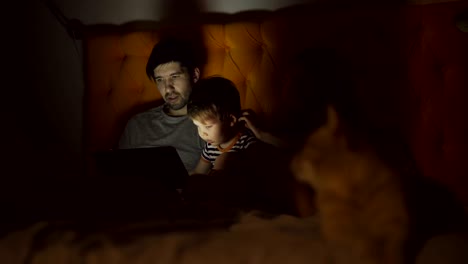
<point x="264" y="136"/>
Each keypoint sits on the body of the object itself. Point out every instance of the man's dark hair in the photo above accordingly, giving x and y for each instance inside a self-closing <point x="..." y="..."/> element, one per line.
<point x="214" y="96"/>
<point x="171" y="50"/>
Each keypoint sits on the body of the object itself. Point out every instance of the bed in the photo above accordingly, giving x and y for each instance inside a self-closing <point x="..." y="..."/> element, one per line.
<point x="411" y="65"/>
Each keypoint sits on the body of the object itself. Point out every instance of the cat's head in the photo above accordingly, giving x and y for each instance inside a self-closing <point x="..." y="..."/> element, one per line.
<point x="320" y="152"/>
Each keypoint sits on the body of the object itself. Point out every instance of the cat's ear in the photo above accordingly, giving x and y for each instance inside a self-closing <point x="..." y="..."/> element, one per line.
<point x="326" y="135"/>
<point x="332" y="123"/>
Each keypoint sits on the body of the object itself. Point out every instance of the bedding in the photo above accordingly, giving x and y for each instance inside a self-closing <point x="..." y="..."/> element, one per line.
<point x="253" y="238"/>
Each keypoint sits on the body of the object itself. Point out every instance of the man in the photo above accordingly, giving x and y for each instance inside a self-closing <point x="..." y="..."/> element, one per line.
<point x="172" y="67"/>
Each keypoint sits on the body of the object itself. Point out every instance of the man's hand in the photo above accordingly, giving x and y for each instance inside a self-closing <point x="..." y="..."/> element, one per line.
<point x="251" y="123"/>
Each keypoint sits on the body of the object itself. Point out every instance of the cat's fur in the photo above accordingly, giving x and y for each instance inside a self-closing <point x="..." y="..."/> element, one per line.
<point x="363" y="214"/>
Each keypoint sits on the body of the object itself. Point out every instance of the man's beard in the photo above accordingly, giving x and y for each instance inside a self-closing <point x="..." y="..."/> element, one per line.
<point x="179" y="104"/>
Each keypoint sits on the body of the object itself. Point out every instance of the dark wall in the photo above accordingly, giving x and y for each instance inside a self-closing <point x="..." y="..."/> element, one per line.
<point x="40" y="130"/>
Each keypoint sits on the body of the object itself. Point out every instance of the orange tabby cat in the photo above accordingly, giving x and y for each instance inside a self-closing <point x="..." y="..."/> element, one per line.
<point x="362" y="211"/>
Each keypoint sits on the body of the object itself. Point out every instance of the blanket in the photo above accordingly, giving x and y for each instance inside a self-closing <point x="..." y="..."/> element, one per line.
<point x="254" y="238"/>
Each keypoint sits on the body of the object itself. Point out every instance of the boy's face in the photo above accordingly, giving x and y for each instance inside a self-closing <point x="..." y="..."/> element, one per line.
<point x="174" y="83"/>
<point x="213" y="130"/>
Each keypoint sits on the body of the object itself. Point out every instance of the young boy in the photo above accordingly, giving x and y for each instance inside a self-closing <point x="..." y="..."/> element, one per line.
<point x="215" y="110"/>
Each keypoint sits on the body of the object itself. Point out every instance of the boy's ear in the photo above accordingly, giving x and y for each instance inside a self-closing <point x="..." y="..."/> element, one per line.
<point x="196" y="75"/>
<point x="233" y="120"/>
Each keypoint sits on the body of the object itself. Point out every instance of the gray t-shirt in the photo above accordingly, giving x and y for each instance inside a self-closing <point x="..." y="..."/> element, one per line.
<point x="155" y="128"/>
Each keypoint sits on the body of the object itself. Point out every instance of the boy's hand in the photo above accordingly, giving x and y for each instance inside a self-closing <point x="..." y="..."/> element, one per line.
<point x="225" y="160"/>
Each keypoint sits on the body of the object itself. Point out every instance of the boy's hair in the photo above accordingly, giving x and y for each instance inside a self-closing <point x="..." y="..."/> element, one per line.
<point x="171" y="50"/>
<point x="214" y="97"/>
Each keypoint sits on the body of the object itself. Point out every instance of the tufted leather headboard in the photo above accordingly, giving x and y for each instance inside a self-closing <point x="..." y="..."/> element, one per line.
<point x="410" y="62"/>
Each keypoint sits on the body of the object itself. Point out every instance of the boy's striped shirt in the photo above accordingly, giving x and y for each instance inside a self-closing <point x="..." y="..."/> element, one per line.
<point x="244" y="140"/>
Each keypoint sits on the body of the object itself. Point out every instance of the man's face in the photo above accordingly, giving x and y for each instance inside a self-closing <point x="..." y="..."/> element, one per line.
<point x="174" y="83"/>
